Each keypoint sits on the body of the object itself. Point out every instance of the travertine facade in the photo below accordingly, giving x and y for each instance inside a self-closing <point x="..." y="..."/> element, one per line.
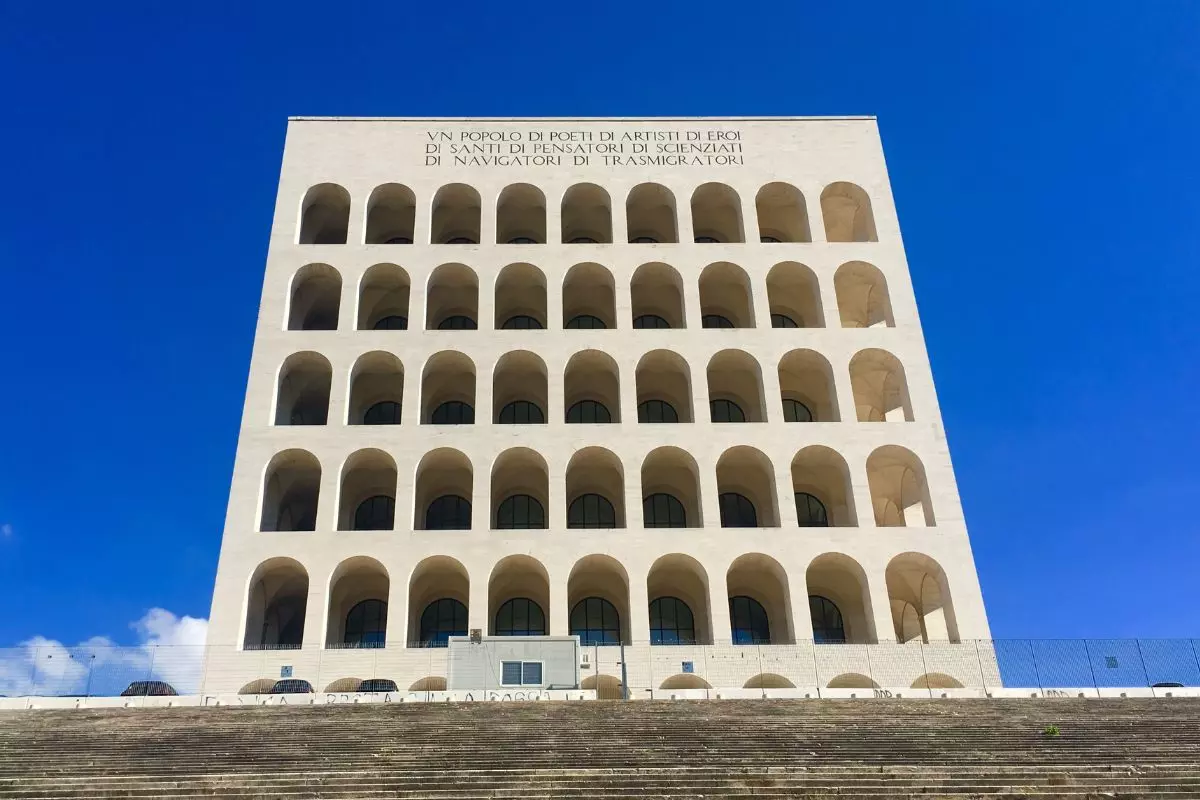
<point x="763" y="264"/>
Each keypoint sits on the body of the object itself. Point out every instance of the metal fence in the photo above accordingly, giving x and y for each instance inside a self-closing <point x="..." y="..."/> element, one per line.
<point x="54" y="670"/>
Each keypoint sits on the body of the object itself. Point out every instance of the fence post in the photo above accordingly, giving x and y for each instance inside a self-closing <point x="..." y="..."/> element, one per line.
<point x="1087" y="651"/>
<point x="1037" y="674"/>
<point x="979" y="663"/>
<point x="925" y="668"/>
<point x="1142" y="658"/>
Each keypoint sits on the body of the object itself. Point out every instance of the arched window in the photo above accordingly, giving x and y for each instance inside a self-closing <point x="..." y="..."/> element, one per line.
<point x="442" y="619"/>
<point x="366" y="624"/>
<point x="591" y="511"/>
<point x="376" y="513"/>
<point x="448" y="513"/>
<point x="826" y="620"/>
<point x="748" y="619"/>
<point x="795" y="411"/>
<point x="520" y="617"/>
<point x="595" y="621"/>
<point x="461" y="240"/>
<point x="663" y="510"/>
<point x="392" y="322"/>
<point x="453" y="412"/>
<point x="650" y="321"/>
<point x="583" y="240"/>
<point x="657" y="411"/>
<point x="783" y="321"/>
<point x="587" y="411"/>
<point x="521" y="322"/>
<point x="521" y="412"/>
<point x="715" y="321"/>
<point x="768" y="240"/>
<point x="386" y="412"/>
<point x="726" y="411"/>
<point x="707" y="240"/>
<point x="643" y="240"/>
<point x="811" y="511"/>
<point x="671" y="622"/>
<point x="399" y="240"/>
<point x="737" y="511"/>
<point x="522" y="240"/>
<point x="457" y="322"/>
<point x="520" y="512"/>
<point x="585" y="322"/>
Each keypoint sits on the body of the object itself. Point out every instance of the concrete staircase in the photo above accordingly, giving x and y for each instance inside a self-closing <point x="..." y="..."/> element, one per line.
<point x="711" y="749"/>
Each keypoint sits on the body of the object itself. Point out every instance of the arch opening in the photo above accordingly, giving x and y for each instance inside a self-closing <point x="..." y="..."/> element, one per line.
<point x="598" y="596"/>
<point x="448" y="389"/>
<point x="745" y="473"/>
<point x="589" y="298"/>
<point x="839" y="604"/>
<point x="782" y="214"/>
<point x="376" y="390"/>
<point x="456" y="212"/>
<point x="383" y="298"/>
<point x="520" y="491"/>
<point x="443" y="491"/>
<point x="920" y="599"/>
<point x="880" y="388"/>
<point x="794" y="297"/>
<point x="291" y="485"/>
<point x="806" y="388"/>
<point x="520" y="298"/>
<point x="315" y="299"/>
<point x="716" y="214"/>
<point x="823" y="494"/>
<point x="521" y="215"/>
<point x="276" y="604"/>
<point x="899" y="490"/>
<point x="391" y="215"/>
<point x="518" y="597"/>
<point x="368" y="495"/>
<point x="586" y="215"/>
<point x="846" y="209"/>
<point x="677" y="587"/>
<point x="591" y="378"/>
<point x="595" y="490"/>
<point x="758" y="580"/>
<point x="671" y="490"/>
<point x="735" y="377"/>
<point x="663" y="376"/>
<point x="656" y="295"/>
<point x="453" y="299"/>
<point x="650" y="215"/>
<point x="725" y="294"/>
<point x="324" y="215"/>
<point x="302" y="396"/>
<point x="438" y="596"/>
<point x="519" y="389"/>
<point x="862" y="296"/>
<point x="358" y="600"/>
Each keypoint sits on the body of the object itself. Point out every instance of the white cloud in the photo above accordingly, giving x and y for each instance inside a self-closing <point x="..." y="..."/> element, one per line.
<point x="170" y="649"/>
<point x="6" y="530"/>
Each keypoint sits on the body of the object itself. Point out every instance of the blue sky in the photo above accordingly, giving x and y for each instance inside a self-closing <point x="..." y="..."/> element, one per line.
<point x="1043" y="157"/>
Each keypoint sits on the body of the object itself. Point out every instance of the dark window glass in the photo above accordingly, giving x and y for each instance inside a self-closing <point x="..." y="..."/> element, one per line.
<point x="521" y="322"/>
<point x="383" y="413"/>
<point x="715" y="321"/>
<point x="457" y="322"/>
<point x="748" y="619"/>
<point x="657" y="411"/>
<point x="643" y="240"/>
<point x="376" y="513"/>
<point x="725" y="411"/>
<point x="595" y="621"/>
<point x="811" y="511"/>
<point x="585" y="322"/>
<point x="663" y="511"/>
<point x="520" y="617"/>
<point x="737" y="511"/>
<point x="795" y="411"/>
<point x="365" y="624"/>
<point x="392" y="322"/>
<point x="522" y="240"/>
<point x="320" y="320"/>
<point x="707" y="240"/>
<point x="461" y="240"/>
<point x="378" y="685"/>
<point x="650" y="321"/>
<point x="531" y="673"/>
<point x="442" y="619"/>
<point x="521" y="412"/>
<point x="586" y="411"/>
<point x="768" y="239"/>
<point x="399" y="240"/>
<point x="826" y="620"/>
<point x="583" y="240"/>
<point x="520" y="512"/>
<point x="453" y="412"/>
<point x="448" y="513"/>
<point x="783" y="321"/>
<point x="591" y="511"/>
<point x="671" y="622"/>
<point x="510" y="673"/>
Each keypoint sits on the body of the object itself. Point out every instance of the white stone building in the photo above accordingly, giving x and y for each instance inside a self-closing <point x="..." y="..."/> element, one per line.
<point x="658" y="382"/>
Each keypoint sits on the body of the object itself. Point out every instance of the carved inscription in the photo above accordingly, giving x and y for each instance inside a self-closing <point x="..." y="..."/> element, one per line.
<point x="714" y="147"/>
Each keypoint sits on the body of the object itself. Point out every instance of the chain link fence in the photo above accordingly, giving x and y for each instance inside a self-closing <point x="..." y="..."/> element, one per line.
<point x="52" y="670"/>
